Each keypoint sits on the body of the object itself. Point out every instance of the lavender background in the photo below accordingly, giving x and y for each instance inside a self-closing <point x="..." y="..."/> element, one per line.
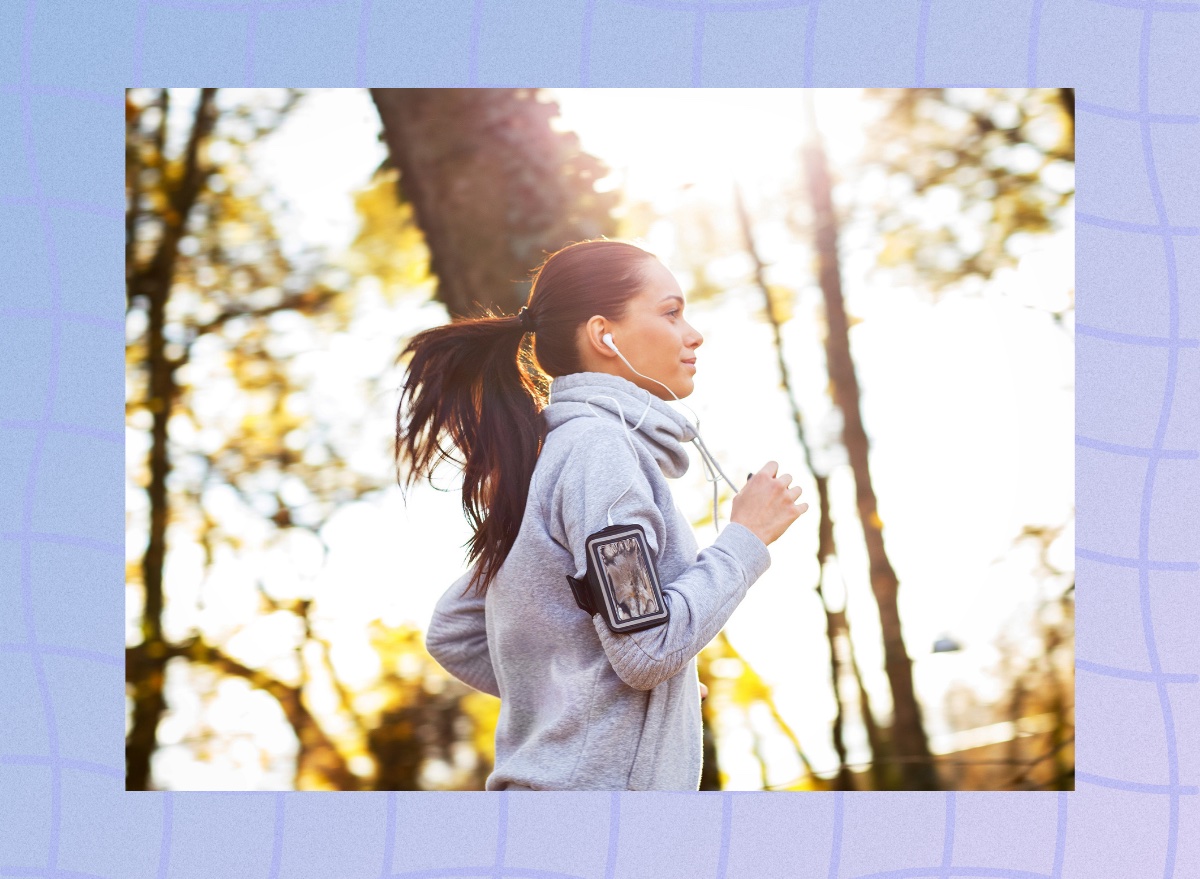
<point x="63" y="808"/>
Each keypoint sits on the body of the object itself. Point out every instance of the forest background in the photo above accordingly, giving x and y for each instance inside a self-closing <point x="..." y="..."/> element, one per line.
<point x="884" y="279"/>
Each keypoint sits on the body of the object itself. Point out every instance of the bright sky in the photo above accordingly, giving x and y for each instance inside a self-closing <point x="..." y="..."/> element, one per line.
<point x="969" y="406"/>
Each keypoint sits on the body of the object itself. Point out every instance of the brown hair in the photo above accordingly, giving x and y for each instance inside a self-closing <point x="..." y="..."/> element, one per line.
<point x="483" y="382"/>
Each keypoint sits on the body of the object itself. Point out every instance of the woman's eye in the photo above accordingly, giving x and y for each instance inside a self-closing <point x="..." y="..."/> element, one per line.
<point x="673" y="311"/>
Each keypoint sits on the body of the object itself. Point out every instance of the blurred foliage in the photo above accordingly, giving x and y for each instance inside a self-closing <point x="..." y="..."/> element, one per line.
<point x="958" y="179"/>
<point x="1037" y="666"/>
<point x="239" y="318"/>
<point x="389" y="246"/>
<point x="241" y="452"/>
<point x="432" y="732"/>
<point x="736" y="693"/>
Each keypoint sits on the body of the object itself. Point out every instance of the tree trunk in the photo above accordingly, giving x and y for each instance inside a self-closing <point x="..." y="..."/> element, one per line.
<point x="1067" y="96"/>
<point x="908" y="734"/>
<point x="834" y="620"/>
<point x="883" y="776"/>
<point x="493" y="187"/>
<point x="155" y="283"/>
<point x="710" y="773"/>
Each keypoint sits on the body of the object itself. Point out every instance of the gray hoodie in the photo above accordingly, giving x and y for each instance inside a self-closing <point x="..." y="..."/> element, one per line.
<point x="583" y="708"/>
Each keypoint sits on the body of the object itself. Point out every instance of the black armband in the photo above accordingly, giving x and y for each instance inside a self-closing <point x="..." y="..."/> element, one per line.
<point x="621" y="582"/>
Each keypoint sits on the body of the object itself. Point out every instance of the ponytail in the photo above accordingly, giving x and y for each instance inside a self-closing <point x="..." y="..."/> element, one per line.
<point x="475" y="380"/>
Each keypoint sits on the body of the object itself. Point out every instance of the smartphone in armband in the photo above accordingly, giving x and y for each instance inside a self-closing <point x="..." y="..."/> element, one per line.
<point x="621" y="582"/>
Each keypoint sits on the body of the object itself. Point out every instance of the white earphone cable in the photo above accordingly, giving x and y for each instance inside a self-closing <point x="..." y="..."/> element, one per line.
<point x="705" y="456"/>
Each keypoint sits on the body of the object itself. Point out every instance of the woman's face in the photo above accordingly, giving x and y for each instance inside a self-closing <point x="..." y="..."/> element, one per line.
<point x="653" y="336"/>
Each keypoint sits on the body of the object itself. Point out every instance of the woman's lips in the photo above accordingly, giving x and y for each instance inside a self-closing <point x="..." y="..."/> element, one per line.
<point x="690" y="363"/>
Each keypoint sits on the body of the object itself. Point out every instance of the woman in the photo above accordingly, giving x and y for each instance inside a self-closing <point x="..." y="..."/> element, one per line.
<point x="582" y="707"/>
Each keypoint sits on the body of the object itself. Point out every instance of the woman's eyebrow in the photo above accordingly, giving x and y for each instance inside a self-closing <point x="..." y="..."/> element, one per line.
<point x="672" y="296"/>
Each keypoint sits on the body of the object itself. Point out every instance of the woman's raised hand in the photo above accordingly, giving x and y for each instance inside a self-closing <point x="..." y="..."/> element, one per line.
<point x="767" y="503"/>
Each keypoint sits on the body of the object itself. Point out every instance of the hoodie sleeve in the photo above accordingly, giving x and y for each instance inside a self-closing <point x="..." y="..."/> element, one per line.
<point x="703" y="596"/>
<point x="457" y="638"/>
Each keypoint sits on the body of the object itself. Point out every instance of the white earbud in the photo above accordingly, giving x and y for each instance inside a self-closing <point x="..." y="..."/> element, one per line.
<point x="607" y="339"/>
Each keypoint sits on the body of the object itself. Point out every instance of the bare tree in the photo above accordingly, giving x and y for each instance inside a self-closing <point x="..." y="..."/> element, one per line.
<point x="836" y="621"/>
<point x="908" y="738"/>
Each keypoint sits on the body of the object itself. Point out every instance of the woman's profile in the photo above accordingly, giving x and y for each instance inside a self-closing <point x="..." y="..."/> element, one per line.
<point x="558" y="438"/>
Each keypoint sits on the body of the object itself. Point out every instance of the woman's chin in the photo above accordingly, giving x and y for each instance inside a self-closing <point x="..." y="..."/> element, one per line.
<point x="678" y="390"/>
<point x="684" y="387"/>
<point x="680" y="387"/>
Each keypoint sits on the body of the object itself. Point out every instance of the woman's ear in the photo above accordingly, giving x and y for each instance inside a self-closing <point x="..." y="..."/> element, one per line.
<point x="595" y="329"/>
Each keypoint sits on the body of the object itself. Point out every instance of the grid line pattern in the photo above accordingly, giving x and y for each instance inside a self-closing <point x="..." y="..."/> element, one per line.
<point x="1135" y="796"/>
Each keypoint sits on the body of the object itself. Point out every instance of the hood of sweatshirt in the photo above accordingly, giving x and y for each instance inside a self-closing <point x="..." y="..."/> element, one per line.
<point x="662" y="430"/>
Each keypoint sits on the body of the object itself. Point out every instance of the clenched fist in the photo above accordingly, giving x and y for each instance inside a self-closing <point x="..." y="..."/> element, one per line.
<point x="767" y="503"/>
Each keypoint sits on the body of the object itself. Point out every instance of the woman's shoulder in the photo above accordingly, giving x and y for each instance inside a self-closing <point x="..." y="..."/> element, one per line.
<point x="581" y="439"/>
<point x="580" y="447"/>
